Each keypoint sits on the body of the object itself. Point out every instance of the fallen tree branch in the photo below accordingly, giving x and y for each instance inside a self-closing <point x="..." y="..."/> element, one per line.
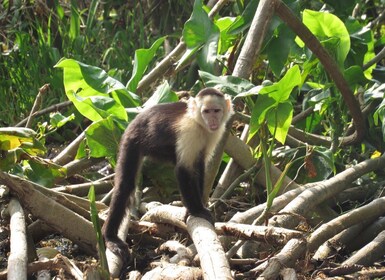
<point x="169" y="214"/>
<point x="292" y="251"/>
<point x="68" y="153"/>
<point x="70" y="224"/>
<point x="370" y="253"/>
<point x="172" y="271"/>
<point x="374" y="209"/>
<point x="17" y="260"/>
<point x="270" y="235"/>
<point x="323" y="191"/>
<point x="212" y="257"/>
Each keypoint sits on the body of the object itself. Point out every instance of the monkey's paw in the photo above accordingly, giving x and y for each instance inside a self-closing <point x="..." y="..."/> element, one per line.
<point x="119" y="248"/>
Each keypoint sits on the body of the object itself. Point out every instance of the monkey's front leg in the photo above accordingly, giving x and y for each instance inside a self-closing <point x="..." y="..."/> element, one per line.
<point x="191" y="191"/>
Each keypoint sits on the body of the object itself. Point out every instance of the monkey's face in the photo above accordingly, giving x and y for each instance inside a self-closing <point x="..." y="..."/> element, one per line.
<point x="212" y="112"/>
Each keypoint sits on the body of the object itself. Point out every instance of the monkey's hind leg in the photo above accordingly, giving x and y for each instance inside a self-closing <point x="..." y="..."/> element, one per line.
<point x="190" y="189"/>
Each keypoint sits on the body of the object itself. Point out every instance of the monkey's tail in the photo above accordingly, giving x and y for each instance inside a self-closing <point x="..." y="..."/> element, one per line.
<point x="125" y="178"/>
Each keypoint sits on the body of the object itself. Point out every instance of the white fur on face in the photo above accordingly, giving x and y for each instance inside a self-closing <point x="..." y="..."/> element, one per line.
<point x="202" y="128"/>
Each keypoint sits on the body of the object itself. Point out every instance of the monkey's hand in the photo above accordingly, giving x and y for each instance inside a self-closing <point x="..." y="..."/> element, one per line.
<point x="119" y="248"/>
<point x="204" y="214"/>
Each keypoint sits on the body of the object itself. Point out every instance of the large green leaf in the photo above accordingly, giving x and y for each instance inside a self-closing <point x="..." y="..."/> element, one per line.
<point x="163" y="94"/>
<point x="200" y="33"/>
<point x="13" y="137"/>
<point x="141" y="61"/>
<point x="362" y="45"/>
<point x="273" y="107"/>
<point x="227" y="84"/>
<point x="279" y="120"/>
<point x="326" y="26"/>
<point x="281" y="90"/>
<point x="226" y="39"/>
<point x="355" y="76"/>
<point x="103" y="139"/>
<point x="278" y="48"/>
<point x="263" y="105"/>
<point x="244" y="21"/>
<point x="94" y="93"/>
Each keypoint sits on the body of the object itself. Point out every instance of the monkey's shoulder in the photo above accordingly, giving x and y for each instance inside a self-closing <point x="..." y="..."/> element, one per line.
<point x="160" y="115"/>
<point x="167" y="109"/>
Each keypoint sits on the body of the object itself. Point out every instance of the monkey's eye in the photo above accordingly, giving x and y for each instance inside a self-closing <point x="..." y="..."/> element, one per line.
<point x="206" y="111"/>
<point x="217" y="110"/>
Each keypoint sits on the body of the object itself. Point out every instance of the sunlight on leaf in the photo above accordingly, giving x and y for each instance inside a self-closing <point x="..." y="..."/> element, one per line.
<point x="93" y="92"/>
<point x="327" y="26"/>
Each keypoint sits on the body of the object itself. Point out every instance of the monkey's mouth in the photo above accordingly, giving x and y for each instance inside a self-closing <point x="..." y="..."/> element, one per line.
<point x="213" y="126"/>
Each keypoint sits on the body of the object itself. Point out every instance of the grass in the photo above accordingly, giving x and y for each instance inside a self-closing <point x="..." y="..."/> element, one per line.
<point x="35" y="36"/>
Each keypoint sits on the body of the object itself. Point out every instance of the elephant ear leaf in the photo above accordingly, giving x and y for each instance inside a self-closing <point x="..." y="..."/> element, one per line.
<point x="95" y="94"/>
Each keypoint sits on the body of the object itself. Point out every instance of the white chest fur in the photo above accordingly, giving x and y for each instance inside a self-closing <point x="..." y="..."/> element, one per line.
<point x="194" y="139"/>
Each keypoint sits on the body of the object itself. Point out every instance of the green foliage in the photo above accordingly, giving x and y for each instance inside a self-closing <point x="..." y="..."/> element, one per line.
<point x="57" y="120"/>
<point x="278" y="55"/>
<point x="163" y="94"/>
<point x="103" y="100"/>
<point x="228" y="84"/>
<point x="142" y="59"/>
<point x="36" y="35"/>
<point x="308" y="164"/>
<point x="103" y="139"/>
<point x="94" y="93"/>
<point x="377" y="93"/>
<point x="14" y="137"/>
<point x="20" y="150"/>
<point x="201" y="35"/>
<point x="331" y="31"/>
<point x="244" y="20"/>
<point x="273" y="108"/>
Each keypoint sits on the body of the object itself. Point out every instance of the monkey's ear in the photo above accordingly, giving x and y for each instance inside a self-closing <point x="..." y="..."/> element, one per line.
<point x="229" y="104"/>
<point x="191" y="106"/>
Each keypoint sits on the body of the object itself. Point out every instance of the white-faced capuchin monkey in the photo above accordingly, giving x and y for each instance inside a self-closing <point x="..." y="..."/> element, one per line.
<point x="185" y="134"/>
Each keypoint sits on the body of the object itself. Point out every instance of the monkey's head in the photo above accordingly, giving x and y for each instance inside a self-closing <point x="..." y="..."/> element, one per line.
<point x="211" y="108"/>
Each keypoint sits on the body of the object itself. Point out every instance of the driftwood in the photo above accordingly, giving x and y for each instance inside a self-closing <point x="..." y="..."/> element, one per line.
<point x="70" y="224"/>
<point x="17" y="260"/>
<point x="212" y="257"/>
<point x="370" y="253"/>
<point x="270" y="235"/>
